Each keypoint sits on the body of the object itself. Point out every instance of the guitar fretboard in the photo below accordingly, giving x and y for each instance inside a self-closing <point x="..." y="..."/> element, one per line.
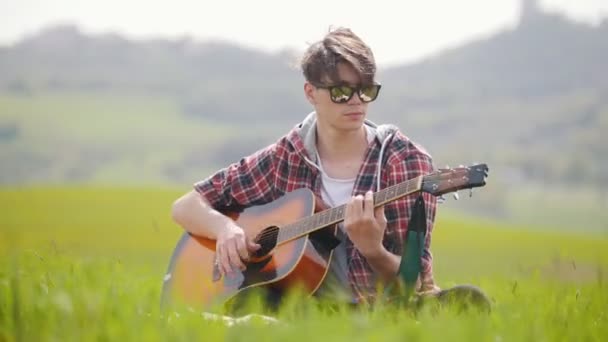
<point x="335" y="215"/>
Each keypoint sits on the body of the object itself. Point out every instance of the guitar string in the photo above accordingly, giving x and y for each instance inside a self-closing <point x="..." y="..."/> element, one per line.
<point x="272" y="232"/>
<point x="268" y="235"/>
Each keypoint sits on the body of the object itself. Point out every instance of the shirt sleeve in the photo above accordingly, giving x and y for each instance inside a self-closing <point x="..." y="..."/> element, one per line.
<point x="243" y="184"/>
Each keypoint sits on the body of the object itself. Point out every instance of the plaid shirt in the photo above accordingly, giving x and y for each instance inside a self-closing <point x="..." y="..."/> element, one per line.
<point x="283" y="167"/>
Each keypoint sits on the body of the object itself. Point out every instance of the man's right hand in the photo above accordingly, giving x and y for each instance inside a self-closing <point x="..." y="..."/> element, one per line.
<point x="232" y="248"/>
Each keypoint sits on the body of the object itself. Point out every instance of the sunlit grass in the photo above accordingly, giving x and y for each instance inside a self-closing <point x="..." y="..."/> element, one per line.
<point x="88" y="263"/>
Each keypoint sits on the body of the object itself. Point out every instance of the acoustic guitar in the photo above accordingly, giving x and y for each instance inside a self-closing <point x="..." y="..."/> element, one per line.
<point x="296" y="237"/>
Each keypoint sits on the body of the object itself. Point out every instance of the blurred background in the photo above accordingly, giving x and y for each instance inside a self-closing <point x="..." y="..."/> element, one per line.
<point x="161" y="95"/>
<point x="110" y="110"/>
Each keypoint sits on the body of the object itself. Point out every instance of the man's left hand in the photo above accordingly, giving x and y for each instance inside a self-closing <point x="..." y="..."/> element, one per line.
<point x="364" y="225"/>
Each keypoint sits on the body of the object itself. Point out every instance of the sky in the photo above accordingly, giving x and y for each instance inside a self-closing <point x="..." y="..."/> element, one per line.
<point x="397" y="30"/>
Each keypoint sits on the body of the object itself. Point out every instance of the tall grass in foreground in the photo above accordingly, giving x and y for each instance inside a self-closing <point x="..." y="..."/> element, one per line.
<point x="87" y="264"/>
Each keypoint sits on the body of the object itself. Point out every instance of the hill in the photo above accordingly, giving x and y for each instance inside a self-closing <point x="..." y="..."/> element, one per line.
<point x="530" y="100"/>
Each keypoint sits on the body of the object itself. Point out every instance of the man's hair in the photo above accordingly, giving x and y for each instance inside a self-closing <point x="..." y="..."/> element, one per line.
<point x="340" y="45"/>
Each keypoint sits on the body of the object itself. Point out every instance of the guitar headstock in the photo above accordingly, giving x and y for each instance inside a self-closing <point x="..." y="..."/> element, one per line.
<point x="444" y="181"/>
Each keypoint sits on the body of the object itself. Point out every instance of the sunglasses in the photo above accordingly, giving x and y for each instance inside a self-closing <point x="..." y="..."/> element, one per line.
<point x="343" y="93"/>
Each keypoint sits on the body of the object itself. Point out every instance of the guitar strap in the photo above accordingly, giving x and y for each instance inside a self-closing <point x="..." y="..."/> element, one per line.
<point x="410" y="266"/>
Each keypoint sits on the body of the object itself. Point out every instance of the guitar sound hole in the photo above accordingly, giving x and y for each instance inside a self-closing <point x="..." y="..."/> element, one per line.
<point x="267" y="238"/>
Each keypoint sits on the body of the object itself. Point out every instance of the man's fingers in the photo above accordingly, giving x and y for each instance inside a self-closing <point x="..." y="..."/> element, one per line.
<point x="242" y="249"/>
<point x="233" y="255"/>
<point x="252" y="246"/>
<point x="348" y="212"/>
<point x="368" y="205"/>
<point x="357" y="209"/>
<point x="223" y="261"/>
<point x="379" y="214"/>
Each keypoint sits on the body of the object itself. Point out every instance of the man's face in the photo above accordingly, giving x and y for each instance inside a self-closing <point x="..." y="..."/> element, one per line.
<point x="346" y="116"/>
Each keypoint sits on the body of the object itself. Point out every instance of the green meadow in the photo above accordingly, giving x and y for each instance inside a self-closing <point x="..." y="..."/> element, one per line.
<point x="84" y="263"/>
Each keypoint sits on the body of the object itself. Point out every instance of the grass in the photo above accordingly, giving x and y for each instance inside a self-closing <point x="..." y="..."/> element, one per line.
<point x="102" y="118"/>
<point x="87" y="264"/>
<point x="582" y="208"/>
<point x="115" y="138"/>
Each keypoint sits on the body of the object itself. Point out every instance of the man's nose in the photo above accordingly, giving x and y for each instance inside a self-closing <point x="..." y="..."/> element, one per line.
<point x="354" y="100"/>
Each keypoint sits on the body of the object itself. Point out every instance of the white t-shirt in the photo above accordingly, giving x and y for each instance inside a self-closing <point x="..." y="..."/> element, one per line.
<point x="336" y="192"/>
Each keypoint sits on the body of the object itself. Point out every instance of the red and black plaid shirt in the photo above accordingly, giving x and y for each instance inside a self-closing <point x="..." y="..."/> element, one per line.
<point x="281" y="167"/>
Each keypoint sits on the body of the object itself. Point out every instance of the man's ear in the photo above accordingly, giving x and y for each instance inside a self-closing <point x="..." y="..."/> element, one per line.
<point x="309" y="92"/>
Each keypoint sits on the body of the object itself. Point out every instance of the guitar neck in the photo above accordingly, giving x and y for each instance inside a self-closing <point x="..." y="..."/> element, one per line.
<point x="335" y="215"/>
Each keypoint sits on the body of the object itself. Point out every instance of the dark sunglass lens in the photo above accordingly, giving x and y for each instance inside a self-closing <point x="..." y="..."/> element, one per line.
<point x="341" y="94"/>
<point x="369" y="93"/>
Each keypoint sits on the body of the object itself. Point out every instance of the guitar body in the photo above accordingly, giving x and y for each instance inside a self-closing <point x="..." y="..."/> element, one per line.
<point x="193" y="278"/>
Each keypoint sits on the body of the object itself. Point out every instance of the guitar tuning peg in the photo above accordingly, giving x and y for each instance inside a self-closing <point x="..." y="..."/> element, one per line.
<point x="440" y="199"/>
<point x="456" y="196"/>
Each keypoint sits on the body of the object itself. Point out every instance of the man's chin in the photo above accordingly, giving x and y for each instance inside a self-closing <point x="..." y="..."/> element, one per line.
<point x="351" y="127"/>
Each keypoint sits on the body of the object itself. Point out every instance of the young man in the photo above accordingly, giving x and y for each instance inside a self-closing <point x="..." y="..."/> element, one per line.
<point x="342" y="158"/>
